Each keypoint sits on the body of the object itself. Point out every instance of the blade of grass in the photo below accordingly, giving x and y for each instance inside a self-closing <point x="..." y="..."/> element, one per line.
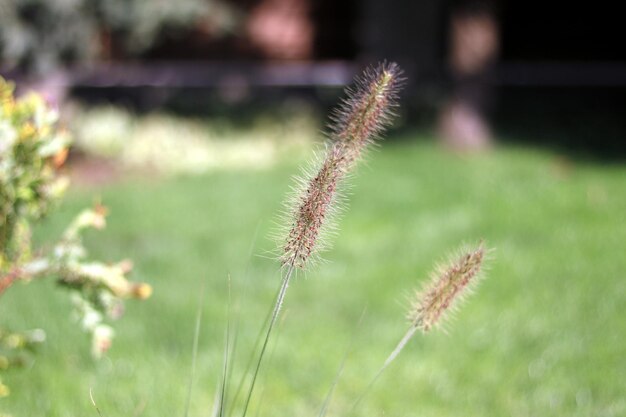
<point x="277" y="305"/>
<point x="257" y="342"/>
<point x="94" y="402"/>
<point x="270" y="360"/>
<point x="194" y="354"/>
<point x="216" y="399"/>
<point x="257" y="339"/>
<point x="226" y="352"/>
<point x="237" y="309"/>
<point x="326" y="403"/>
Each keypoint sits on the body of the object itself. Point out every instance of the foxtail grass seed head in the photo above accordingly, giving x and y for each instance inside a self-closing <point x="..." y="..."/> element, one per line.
<point x="449" y="284"/>
<point x="360" y="119"/>
<point x="367" y="110"/>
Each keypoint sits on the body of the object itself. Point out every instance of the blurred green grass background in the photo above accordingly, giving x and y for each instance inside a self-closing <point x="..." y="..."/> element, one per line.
<point x="545" y="333"/>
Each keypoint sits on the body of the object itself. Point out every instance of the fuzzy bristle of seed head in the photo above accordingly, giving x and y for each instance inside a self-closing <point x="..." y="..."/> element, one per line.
<point x="448" y="286"/>
<point x="368" y="108"/>
<point x="364" y="114"/>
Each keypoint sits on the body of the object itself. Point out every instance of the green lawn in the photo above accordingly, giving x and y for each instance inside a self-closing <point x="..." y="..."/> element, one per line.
<point x="543" y="335"/>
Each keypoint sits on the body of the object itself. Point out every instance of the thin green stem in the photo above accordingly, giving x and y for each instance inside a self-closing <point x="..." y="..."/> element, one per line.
<point x="405" y="339"/>
<point x="257" y="342"/>
<point x="226" y="352"/>
<point x="329" y="396"/>
<point x="270" y="360"/>
<point x="277" y="305"/>
<point x="194" y="354"/>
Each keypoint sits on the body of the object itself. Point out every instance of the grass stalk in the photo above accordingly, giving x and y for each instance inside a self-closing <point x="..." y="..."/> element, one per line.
<point x="224" y="385"/>
<point x="392" y="356"/>
<point x="331" y="390"/>
<point x="270" y="360"/>
<point x="277" y="306"/>
<point x="257" y="342"/>
<point x="194" y="354"/>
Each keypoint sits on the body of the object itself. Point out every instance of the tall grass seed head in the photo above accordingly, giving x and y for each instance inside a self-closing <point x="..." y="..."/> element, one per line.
<point x="449" y="284"/>
<point x="360" y="119"/>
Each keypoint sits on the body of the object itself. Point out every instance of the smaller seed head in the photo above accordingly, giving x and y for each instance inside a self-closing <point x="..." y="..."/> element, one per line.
<point x="448" y="286"/>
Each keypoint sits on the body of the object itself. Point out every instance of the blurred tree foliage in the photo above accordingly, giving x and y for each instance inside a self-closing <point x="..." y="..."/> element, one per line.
<point x="39" y="35"/>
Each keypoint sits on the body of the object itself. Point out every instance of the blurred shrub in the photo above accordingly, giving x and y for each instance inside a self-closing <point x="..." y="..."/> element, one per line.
<point x="16" y="349"/>
<point x="32" y="148"/>
<point x="177" y="145"/>
<point x="39" y="35"/>
<point x="103" y="131"/>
